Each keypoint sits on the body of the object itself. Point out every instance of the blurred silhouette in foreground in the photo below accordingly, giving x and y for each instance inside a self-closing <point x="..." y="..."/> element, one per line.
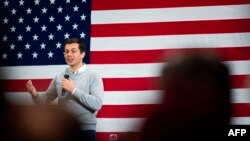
<point x="36" y="123"/>
<point x="40" y="123"/>
<point x="197" y="101"/>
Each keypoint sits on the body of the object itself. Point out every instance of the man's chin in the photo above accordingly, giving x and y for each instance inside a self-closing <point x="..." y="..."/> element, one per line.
<point x="70" y="64"/>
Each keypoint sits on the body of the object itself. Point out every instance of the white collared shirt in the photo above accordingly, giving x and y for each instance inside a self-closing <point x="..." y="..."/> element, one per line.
<point x="81" y="69"/>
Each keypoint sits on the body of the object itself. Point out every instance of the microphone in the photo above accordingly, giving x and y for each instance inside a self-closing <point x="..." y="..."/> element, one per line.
<point x="66" y="76"/>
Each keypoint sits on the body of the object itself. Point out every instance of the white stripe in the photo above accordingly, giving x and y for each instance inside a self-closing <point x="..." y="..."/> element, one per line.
<point x="29" y="72"/>
<point x="154" y="69"/>
<point x="110" y="97"/>
<point x="132" y="97"/>
<point x="240" y="95"/>
<point x="239" y="67"/>
<point x="171" y="14"/>
<point x="128" y="97"/>
<point x="128" y="70"/>
<point x="135" y="124"/>
<point x="170" y="42"/>
<point x="107" y="70"/>
<point x="19" y="98"/>
<point x="119" y="124"/>
<point x="240" y="121"/>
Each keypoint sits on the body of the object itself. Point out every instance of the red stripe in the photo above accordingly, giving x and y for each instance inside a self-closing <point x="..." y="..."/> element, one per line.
<point x="170" y="28"/>
<point x="241" y="110"/>
<point x="239" y="81"/>
<point x="156" y="56"/>
<point x="149" y="83"/>
<point x="20" y="85"/>
<point x="110" y="84"/>
<point x="144" y="111"/>
<point x="126" y="84"/>
<point x="134" y="4"/>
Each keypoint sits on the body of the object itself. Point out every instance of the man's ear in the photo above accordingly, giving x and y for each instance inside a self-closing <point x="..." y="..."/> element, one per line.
<point x="83" y="54"/>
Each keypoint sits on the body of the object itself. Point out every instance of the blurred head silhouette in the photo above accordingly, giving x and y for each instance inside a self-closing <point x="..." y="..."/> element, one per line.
<point x="40" y="123"/>
<point x="197" y="100"/>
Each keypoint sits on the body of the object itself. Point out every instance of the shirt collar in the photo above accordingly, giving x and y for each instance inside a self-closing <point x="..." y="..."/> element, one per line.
<point x="81" y="69"/>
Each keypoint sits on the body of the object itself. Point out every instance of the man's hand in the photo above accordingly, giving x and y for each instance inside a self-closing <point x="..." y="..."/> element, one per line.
<point x="31" y="89"/>
<point x="68" y="85"/>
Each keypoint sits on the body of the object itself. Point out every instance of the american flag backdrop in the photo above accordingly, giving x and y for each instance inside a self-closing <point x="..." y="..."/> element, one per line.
<point x="125" y="41"/>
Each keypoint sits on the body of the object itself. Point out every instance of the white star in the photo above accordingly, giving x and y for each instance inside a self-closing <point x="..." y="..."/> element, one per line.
<point x="20" y="37"/>
<point x="36" y="20"/>
<point x="34" y="55"/>
<point x="67" y="18"/>
<point x="59" y="27"/>
<point x="50" y="54"/>
<point x="83" y="17"/>
<point x="66" y="36"/>
<point x="20" y="20"/>
<point x="5" y="21"/>
<point x="5" y="38"/>
<point x="13" y="29"/>
<point x="51" y="36"/>
<point x="5" y="56"/>
<point x="43" y="46"/>
<point x="82" y="35"/>
<point x="27" y="46"/>
<point x="28" y="28"/>
<point x="35" y="37"/>
<point x="75" y="8"/>
<point x="75" y="26"/>
<point x="51" y="19"/>
<point x="37" y="2"/>
<point x="28" y="11"/>
<point x="83" y="0"/>
<point x="52" y="1"/>
<point x="12" y="46"/>
<point x="13" y="12"/>
<point x="6" y="3"/>
<point x="19" y="55"/>
<point x="67" y="1"/>
<point x="59" y="9"/>
<point x="43" y="28"/>
<point x="21" y="2"/>
<point x="58" y="45"/>
<point x="44" y="10"/>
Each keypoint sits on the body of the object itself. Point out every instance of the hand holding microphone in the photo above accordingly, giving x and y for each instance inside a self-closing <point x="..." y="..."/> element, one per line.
<point x="67" y="84"/>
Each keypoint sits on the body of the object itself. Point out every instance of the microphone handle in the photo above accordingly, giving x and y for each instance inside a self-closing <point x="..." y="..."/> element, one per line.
<point x="63" y="92"/>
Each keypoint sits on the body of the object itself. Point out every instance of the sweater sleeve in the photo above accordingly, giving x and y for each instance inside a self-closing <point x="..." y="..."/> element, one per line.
<point x="48" y="96"/>
<point x="94" y="99"/>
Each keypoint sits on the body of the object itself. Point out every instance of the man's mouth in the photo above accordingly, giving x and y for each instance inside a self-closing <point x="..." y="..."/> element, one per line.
<point x="70" y="60"/>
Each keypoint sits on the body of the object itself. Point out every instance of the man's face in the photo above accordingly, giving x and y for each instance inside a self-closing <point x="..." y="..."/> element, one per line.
<point x="72" y="54"/>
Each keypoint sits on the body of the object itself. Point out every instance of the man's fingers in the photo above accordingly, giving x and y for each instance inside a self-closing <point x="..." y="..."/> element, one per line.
<point x="29" y="85"/>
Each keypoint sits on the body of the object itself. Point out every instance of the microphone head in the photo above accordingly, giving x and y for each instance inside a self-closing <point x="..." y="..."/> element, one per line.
<point x="66" y="74"/>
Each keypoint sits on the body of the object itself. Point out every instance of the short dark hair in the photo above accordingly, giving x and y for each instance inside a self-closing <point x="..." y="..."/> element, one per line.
<point x="81" y="43"/>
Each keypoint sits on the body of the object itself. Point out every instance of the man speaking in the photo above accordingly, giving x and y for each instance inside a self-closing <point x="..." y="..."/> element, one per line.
<point x="78" y="89"/>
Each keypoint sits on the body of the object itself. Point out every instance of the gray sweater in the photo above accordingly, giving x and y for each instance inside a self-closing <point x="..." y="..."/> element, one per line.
<point x="84" y="102"/>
